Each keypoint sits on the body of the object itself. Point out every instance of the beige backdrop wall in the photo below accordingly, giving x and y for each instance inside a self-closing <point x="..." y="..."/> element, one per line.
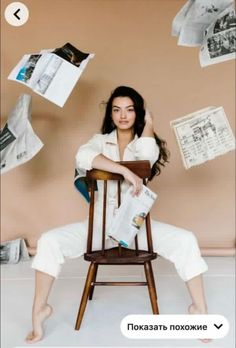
<point x="133" y="46"/>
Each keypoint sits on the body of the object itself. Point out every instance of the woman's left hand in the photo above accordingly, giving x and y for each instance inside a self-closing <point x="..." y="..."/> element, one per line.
<point x="148" y="118"/>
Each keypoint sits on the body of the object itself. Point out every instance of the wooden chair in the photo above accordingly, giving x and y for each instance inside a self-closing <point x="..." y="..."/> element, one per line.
<point x="118" y="255"/>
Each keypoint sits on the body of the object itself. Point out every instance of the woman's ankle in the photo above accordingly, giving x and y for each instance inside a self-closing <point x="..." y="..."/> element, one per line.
<point x="37" y="308"/>
<point x="198" y="309"/>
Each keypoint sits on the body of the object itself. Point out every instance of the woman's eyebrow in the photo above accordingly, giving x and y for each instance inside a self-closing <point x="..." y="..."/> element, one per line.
<point x="115" y="106"/>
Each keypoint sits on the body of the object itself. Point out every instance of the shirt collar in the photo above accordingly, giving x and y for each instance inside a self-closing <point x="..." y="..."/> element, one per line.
<point x="112" y="138"/>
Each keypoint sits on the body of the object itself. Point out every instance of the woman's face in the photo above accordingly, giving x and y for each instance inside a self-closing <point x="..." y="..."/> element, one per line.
<point x="123" y="113"/>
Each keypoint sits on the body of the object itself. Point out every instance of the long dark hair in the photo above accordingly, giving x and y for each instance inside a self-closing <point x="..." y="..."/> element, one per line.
<point x="108" y="125"/>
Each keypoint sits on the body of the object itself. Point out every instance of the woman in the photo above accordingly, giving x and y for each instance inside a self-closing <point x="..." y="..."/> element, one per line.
<point x="127" y="134"/>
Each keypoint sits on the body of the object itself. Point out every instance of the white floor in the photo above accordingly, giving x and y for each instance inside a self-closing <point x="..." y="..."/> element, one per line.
<point x="101" y="323"/>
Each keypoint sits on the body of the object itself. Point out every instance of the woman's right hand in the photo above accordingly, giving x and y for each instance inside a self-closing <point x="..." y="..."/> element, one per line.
<point x="134" y="180"/>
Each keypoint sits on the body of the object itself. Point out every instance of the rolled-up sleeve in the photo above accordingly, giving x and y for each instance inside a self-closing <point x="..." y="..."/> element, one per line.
<point x="88" y="152"/>
<point x="147" y="149"/>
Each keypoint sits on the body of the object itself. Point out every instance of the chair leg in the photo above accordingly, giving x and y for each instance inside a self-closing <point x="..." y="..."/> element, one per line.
<point x="151" y="286"/>
<point x="84" y="299"/>
<point x="153" y="279"/>
<point x="92" y="285"/>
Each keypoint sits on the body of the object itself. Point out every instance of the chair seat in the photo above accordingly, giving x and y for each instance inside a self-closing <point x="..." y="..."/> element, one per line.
<point x="113" y="257"/>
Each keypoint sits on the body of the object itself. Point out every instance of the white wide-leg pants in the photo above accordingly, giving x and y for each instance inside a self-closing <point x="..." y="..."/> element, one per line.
<point x="175" y="244"/>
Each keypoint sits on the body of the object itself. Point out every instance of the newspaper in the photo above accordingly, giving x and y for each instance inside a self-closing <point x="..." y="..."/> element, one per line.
<point x="194" y="18"/>
<point x="13" y="251"/>
<point x="180" y="17"/>
<point x="19" y="143"/>
<point x="130" y="216"/>
<point x="219" y="43"/>
<point x="52" y="73"/>
<point x="203" y="135"/>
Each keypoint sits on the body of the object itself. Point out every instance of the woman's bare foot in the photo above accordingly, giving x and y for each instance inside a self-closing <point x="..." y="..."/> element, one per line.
<point x="192" y="309"/>
<point x="39" y="318"/>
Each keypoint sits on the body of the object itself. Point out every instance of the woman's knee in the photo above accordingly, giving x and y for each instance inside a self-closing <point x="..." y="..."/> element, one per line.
<point x="189" y="243"/>
<point x="190" y="238"/>
<point x="47" y="239"/>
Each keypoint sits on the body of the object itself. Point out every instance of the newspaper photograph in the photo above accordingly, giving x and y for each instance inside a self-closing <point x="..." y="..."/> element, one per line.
<point x="203" y="135"/>
<point x="219" y="43"/>
<point x="13" y="251"/>
<point x="194" y="18"/>
<point x="71" y="54"/>
<point x="28" y="67"/>
<point x="48" y="74"/>
<point x="52" y="73"/>
<point x="19" y="143"/>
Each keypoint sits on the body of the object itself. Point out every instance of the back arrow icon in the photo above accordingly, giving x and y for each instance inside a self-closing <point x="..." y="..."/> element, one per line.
<point x="15" y="14"/>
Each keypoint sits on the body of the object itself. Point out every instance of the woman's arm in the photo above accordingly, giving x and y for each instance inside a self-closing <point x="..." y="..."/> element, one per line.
<point x="90" y="156"/>
<point x="148" y="130"/>
<point x="103" y="163"/>
<point x="146" y="145"/>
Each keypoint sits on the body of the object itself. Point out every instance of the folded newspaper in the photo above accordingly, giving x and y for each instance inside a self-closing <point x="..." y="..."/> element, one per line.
<point x="210" y="24"/>
<point x="203" y="135"/>
<point x="131" y="215"/>
<point x="19" y="143"/>
<point x="219" y="44"/>
<point x="13" y="251"/>
<point x="52" y="73"/>
<point x="194" y="18"/>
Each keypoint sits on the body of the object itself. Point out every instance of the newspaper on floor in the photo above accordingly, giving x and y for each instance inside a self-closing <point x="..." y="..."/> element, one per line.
<point x="130" y="215"/>
<point x="203" y="135"/>
<point x="13" y="251"/>
<point x="52" y="73"/>
<point x="19" y="143"/>
<point x="219" y="43"/>
<point x="194" y="18"/>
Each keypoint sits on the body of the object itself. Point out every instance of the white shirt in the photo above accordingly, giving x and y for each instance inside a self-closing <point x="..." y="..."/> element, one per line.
<point x="143" y="148"/>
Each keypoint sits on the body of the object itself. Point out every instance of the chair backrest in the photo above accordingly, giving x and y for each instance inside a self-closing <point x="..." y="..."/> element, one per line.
<point x="140" y="168"/>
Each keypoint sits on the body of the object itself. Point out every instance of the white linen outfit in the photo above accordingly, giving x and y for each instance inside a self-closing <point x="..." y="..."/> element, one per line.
<point x="173" y="243"/>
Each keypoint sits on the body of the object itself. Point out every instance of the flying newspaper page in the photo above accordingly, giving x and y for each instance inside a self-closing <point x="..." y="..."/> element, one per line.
<point x="19" y="143"/>
<point x="203" y="135"/>
<point x="194" y="18"/>
<point x="52" y="73"/>
<point x="219" y="43"/>
<point x="180" y="18"/>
